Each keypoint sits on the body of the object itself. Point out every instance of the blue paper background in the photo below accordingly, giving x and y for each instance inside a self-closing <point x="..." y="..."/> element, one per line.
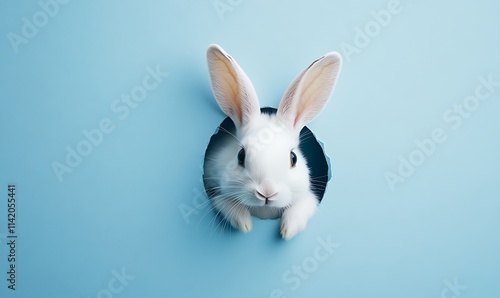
<point x="123" y="208"/>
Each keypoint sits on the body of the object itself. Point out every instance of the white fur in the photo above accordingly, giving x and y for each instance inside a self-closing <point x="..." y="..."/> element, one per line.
<point x="268" y="141"/>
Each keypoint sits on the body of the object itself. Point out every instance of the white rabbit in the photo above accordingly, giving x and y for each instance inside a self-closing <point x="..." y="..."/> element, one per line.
<point x="259" y="170"/>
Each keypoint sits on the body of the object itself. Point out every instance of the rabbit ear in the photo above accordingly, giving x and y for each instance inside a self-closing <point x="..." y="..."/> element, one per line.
<point x="232" y="88"/>
<point x="309" y="92"/>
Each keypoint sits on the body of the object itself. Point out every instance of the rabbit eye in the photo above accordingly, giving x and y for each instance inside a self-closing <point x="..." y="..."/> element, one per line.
<point x="293" y="159"/>
<point x="241" y="157"/>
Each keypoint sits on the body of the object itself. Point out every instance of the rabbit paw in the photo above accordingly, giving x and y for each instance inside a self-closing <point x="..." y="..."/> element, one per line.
<point x="296" y="217"/>
<point x="292" y="223"/>
<point x="242" y="220"/>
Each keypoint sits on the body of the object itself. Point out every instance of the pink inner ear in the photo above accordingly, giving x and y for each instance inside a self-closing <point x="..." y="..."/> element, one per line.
<point x="286" y="108"/>
<point x="233" y="107"/>
<point x="232" y="88"/>
<point x="235" y="91"/>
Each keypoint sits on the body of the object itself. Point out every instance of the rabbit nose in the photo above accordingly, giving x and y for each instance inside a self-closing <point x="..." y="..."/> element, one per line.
<point x="265" y="190"/>
<point x="264" y="196"/>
